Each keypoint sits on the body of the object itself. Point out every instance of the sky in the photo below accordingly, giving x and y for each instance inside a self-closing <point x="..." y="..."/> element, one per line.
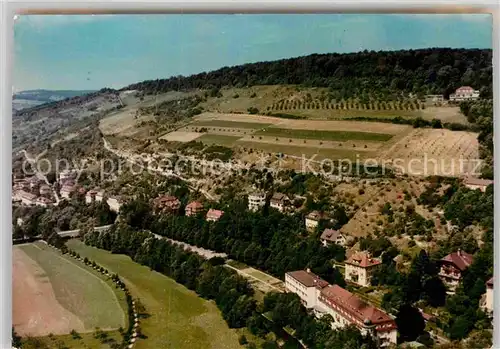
<point x="83" y="52"/>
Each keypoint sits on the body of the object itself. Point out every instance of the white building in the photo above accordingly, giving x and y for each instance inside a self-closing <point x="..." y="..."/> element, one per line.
<point x="66" y="175"/>
<point x="344" y="307"/>
<point x="26" y="198"/>
<point x="90" y="197"/>
<point x="452" y="267"/>
<point x="114" y="203"/>
<point x="256" y="201"/>
<point x="280" y="202"/>
<point x="359" y="268"/>
<point x="306" y="285"/>
<point x="99" y="196"/>
<point x="487" y="299"/>
<point x="332" y="236"/>
<point x="477" y="183"/>
<point x="464" y="93"/>
<point x="347" y="309"/>
<point x="312" y="220"/>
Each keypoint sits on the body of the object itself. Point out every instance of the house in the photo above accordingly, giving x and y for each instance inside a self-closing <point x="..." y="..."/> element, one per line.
<point x="26" y="198"/>
<point x="99" y="196"/>
<point x="66" y="190"/>
<point x="66" y="175"/>
<point x="214" y="215"/>
<point x="359" y="268"/>
<point x="312" y="220"/>
<point x="477" y="183"/>
<point x="452" y="266"/>
<point x="487" y="301"/>
<point x="167" y="203"/>
<point x="464" y="93"/>
<point x="90" y="197"/>
<point x="332" y="236"/>
<point x="194" y="208"/>
<point x="43" y="201"/>
<point x="280" y="202"/>
<point x="114" y="203"/>
<point x="256" y="200"/>
<point x="45" y="189"/>
<point x="21" y="185"/>
<point x="306" y="285"/>
<point x="347" y="309"/>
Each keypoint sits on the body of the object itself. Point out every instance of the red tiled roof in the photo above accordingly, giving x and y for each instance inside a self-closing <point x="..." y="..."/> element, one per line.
<point x="362" y="259"/>
<point x="194" y="205"/>
<point x="477" y="181"/>
<point x="353" y="305"/>
<point x="307" y="278"/>
<point x="459" y="259"/>
<point x="214" y="213"/>
<point x="330" y="234"/>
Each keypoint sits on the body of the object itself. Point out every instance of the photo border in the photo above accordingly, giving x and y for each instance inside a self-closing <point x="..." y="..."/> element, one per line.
<point x="9" y="8"/>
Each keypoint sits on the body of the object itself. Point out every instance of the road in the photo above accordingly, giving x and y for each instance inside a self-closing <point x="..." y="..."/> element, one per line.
<point x="76" y="232"/>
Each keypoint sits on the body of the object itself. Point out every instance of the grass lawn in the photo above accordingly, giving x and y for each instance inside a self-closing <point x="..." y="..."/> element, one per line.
<point x="178" y="317"/>
<point x="85" y="340"/>
<point x="228" y="123"/>
<point x="79" y="290"/>
<point x="218" y="139"/>
<point x="324" y="135"/>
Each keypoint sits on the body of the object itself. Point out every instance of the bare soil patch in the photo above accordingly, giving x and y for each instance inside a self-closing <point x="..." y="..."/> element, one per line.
<point x="36" y="311"/>
<point x="181" y="136"/>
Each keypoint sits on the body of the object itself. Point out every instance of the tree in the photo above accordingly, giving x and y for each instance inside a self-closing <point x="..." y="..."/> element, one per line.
<point x="410" y="323"/>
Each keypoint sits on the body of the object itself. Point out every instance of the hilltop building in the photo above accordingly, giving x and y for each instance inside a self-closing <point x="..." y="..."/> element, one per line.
<point x="214" y="215"/>
<point x="332" y="236"/>
<point x="280" y="202"/>
<point x="312" y="220"/>
<point x="306" y="285"/>
<point x="464" y="93"/>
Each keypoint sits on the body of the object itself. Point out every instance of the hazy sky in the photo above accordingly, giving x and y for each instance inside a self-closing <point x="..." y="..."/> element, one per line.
<point x="91" y="52"/>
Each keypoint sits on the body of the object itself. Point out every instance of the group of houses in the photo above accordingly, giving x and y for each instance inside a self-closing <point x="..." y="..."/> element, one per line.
<point x="278" y="201"/>
<point x="31" y="192"/>
<point x="171" y="205"/>
<point x="347" y="309"/>
<point x="463" y="93"/>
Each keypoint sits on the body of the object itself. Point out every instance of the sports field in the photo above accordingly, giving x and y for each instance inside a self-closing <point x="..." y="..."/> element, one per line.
<point x="178" y="317"/>
<point x="56" y="294"/>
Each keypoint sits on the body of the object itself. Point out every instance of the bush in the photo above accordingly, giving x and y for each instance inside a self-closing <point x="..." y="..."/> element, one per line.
<point x="242" y="340"/>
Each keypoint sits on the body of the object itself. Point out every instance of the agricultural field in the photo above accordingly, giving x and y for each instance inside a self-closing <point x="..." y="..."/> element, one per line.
<point x="54" y="294"/>
<point x="178" y="318"/>
<point x="435" y="152"/>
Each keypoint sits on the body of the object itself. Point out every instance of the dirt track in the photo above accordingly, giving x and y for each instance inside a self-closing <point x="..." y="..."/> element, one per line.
<point x="35" y="310"/>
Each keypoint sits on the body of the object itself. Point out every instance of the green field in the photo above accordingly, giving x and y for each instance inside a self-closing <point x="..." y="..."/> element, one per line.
<point x="178" y="317"/>
<point x="324" y="135"/>
<point x="217" y="139"/>
<point x="79" y="290"/>
<point x="230" y="124"/>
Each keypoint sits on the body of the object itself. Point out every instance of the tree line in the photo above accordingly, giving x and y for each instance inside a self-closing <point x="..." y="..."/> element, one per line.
<point x="427" y="71"/>
<point x="267" y="239"/>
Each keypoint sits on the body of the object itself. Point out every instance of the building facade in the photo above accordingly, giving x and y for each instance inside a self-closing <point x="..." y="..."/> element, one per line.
<point x="306" y="285"/>
<point x="359" y="268"/>
<point x="114" y="203"/>
<point x="464" y="93"/>
<point x="280" y="202"/>
<point x="167" y="203"/>
<point x="477" y="183"/>
<point x="312" y="220"/>
<point x="332" y="236"/>
<point x="452" y="266"/>
<point x="256" y="201"/>
<point x="194" y="208"/>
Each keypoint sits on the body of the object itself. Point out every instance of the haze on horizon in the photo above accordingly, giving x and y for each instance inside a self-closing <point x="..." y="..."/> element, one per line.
<point x="85" y="52"/>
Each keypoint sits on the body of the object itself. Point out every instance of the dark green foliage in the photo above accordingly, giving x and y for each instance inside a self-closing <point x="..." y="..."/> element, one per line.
<point x="433" y="70"/>
<point x="410" y="323"/>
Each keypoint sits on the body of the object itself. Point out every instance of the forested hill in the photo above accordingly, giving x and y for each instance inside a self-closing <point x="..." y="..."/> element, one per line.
<point x="423" y="71"/>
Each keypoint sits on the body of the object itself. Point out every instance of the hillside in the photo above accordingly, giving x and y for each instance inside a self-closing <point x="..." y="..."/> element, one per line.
<point x="31" y="98"/>
<point x="383" y="74"/>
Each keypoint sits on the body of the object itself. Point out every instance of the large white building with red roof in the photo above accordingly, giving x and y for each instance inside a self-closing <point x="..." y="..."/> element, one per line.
<point x="452" y="266"/>
<point x="344" y="307"/>
<point x="359" y="268"/>
<point x="464" y="93"/>
<point x="347" y="309"/>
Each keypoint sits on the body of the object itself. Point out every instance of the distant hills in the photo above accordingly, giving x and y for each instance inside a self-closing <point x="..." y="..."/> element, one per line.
<point x="32" y="98"/>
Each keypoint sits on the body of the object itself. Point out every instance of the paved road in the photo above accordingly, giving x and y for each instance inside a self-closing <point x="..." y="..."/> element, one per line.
<point x="76" y="232"/>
